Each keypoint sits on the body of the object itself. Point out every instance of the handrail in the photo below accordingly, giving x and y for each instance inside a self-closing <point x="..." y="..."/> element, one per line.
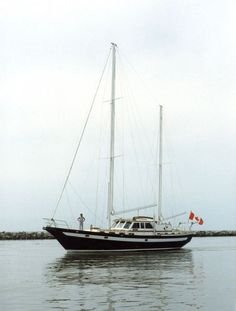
<point x="51" y="222"/>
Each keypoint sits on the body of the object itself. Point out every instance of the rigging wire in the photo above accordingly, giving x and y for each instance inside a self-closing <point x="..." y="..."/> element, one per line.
<point x="174" y="170"/>
<point x="149" y="91"/>
<point x="122" y="136"/>
<point x="70" y="207"/>
<point x="135" y="120"/>
<point x="101" y="130"/>
<point x="138" y="117"/>
<point x="81" y="137"/>
<point x="80" y="198"/>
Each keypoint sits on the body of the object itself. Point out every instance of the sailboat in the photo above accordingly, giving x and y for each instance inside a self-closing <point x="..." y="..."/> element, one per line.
<point x="137" y="233"/>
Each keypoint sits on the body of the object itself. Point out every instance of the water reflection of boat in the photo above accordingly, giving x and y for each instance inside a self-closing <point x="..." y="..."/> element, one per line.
<point x="162" y="261"/>
<point x="137" y="233"/>
<point x="156" y="279"/>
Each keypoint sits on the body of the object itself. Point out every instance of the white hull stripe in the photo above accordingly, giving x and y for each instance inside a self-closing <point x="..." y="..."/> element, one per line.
<point x="123" y="239"/>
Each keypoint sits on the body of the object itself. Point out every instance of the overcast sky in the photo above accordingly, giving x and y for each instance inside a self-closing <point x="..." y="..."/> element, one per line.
<point x="51" y="57"/>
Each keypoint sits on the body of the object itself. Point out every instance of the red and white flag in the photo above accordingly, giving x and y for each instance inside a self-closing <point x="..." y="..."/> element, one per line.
<point x="195" y="218"/>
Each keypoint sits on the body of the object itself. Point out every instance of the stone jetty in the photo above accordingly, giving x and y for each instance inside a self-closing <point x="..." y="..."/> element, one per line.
<point x="43" y="235"/>
<point x="214" y="233"/>
<point x="25" y="235"/>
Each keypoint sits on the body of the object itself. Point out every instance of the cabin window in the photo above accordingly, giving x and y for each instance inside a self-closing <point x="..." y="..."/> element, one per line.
<point x="135" y="225"/>
<point x="142" y="225"/>
<point x="120" y="224"/>
<point x="127" y="225"/>
<point x="114" y="224"/>
<point x="148" y="225"/>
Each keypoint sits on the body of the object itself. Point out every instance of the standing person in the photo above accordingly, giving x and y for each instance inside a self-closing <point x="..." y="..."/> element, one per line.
<point x="81" y="220"/>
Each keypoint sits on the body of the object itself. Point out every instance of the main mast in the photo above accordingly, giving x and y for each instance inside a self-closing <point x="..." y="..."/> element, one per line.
<point x="159" y="204"/>
<point x="112" y="136"/>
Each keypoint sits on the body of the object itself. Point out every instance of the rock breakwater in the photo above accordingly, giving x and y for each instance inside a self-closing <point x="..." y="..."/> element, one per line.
<point x="25" y="235"/>
<point x="214" y="233"/>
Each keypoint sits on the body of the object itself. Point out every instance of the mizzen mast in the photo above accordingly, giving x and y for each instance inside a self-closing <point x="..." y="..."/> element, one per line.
<point x="159" y="203"/>
<point x="112" y="136"/>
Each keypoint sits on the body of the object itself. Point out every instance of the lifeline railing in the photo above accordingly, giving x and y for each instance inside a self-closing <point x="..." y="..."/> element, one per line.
<point x="51" y="222"/>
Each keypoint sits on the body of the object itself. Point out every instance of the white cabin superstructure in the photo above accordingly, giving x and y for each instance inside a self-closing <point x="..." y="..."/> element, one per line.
<point x="140" y="225"/>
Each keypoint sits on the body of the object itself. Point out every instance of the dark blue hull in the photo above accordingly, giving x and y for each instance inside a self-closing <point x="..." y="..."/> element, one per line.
<point x="86" y="241"/>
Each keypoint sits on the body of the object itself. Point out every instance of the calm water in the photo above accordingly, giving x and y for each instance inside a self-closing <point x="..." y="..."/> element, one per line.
<point x="40" y="275"/>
